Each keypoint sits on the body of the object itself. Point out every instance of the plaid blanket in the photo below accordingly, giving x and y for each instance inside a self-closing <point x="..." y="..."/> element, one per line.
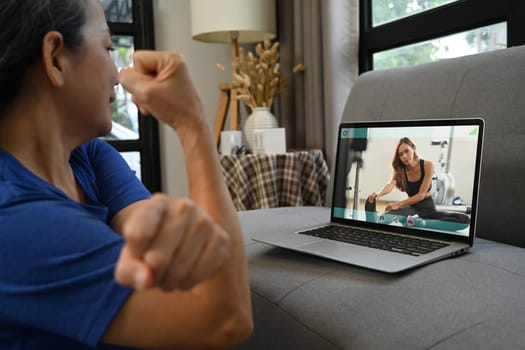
<point x="276" y="180"/>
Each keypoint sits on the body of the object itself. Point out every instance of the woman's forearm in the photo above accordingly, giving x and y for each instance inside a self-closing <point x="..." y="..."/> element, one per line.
<point x="412" y="199"/>
<point x="385" y="190"/>
<point x="208" y="190"/>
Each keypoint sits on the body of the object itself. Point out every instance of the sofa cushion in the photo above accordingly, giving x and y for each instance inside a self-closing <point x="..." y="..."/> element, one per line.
<point x="473" y="301"/>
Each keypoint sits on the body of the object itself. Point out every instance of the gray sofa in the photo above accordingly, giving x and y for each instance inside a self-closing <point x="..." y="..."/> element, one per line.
<point x="474" y="301"/>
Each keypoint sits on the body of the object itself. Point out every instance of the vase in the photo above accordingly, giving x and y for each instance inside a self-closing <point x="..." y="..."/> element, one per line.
<point x="260" y="118"/>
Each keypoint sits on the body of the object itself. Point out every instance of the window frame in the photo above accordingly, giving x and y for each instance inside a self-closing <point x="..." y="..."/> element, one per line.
<point x="441" y="21"/>
<point x="142" y="31"/>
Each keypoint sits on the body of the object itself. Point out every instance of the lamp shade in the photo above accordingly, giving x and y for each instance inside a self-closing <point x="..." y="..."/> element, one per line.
<point x="217" y="21"/>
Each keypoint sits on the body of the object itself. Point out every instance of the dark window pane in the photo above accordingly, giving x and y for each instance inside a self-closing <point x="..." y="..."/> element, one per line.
<point x="470" y="42"/>
<point x="118" y="11"/>
<point x="384" y="11"/>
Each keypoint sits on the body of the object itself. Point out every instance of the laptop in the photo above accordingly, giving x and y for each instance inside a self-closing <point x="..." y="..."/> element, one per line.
<point x="395" y="232"/>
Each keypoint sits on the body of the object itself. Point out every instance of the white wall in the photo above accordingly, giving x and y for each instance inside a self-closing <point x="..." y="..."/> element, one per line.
<point x="173" y="32"/>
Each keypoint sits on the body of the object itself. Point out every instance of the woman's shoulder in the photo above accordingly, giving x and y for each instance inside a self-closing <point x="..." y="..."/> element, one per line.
<point x="92" y="147"/>
<point x="427" y="164"/>
<point x="93" y="153"/>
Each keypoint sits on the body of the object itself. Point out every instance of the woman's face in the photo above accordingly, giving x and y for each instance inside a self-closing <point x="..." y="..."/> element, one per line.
<point x="93" y="79"/>
<point x="406" y="154"/>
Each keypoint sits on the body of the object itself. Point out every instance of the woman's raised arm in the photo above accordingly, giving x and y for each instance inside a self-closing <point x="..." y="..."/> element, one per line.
<point x="176" y="244"/>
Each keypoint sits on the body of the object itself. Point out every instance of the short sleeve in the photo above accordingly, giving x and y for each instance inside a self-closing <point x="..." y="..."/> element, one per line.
<point x="57" y="271"/>
<point x="116" y="184"/>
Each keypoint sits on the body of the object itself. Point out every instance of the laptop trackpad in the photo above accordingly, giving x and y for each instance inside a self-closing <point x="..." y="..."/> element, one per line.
<point x="343" y="250"/>
<point x="358" y="255"/>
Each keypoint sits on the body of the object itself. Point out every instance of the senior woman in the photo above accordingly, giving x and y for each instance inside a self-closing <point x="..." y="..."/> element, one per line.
<point x="90" y="259"/>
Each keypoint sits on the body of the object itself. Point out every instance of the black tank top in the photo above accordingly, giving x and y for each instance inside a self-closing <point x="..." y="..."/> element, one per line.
<point x="413" y="188"/>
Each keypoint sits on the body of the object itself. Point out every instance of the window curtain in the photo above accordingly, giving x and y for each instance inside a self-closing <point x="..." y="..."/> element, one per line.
<point x="323" y="35"/>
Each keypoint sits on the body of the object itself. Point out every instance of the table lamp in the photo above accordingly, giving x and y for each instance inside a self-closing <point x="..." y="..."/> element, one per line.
<point x="234" y="22"/>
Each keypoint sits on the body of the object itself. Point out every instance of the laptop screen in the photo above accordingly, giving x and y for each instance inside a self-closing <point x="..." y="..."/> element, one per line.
<point x="418" y="175"/>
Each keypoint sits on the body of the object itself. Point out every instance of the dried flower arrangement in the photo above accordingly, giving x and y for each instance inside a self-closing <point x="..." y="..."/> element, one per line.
<point x="257" y="78"/>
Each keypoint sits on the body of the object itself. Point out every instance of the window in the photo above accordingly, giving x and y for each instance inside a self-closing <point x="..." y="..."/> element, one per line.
<point x="384" y="11"/>
<point x="137" y="139"/>
<point x="398" y="33"/>
<point x="488" y="38"/>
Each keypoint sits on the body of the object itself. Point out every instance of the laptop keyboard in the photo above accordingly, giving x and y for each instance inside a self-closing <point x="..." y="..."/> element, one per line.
<point x="384" y="241"/>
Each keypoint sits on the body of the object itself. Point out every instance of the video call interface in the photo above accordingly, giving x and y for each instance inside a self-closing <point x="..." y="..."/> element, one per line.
<point x="365" y="166"/>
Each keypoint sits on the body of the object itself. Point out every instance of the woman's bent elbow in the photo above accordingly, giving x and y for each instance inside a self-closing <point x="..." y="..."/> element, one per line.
<point x="421" y="196"/>
<point x="234" y="329"/>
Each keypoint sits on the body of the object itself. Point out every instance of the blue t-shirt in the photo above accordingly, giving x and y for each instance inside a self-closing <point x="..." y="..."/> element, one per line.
<point x="57" y="257"/>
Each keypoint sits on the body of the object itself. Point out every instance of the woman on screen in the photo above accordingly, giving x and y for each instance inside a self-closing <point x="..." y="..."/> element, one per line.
<point x="413" y="175"/>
